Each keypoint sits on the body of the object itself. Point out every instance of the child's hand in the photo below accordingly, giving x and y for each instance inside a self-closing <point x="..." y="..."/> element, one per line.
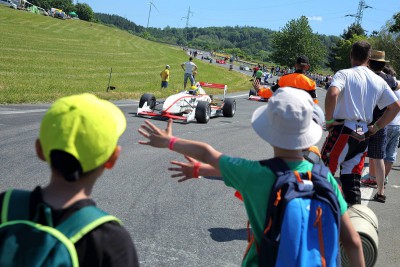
<point x="157" y="137"/>
<point x="184" y="169"/>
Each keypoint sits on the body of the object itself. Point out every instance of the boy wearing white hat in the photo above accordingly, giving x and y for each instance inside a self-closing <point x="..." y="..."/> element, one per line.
<point x="286" y="123"/>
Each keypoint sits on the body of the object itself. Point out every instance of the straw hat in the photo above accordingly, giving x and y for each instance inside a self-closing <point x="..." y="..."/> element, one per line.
<point x="378" y="56"/>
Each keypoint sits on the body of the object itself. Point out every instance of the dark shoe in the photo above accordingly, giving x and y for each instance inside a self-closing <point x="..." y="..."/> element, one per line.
<point x="380" y="198"/>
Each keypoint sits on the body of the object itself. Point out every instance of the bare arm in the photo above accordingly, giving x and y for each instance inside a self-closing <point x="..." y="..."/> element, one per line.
<point x="351" y="242"/>
<point x="386" y="118"/>
<point x="161" y="139"/>
<point x="186" y="170"/>
<point x="330" y="105"/>
<point x="183" y="66"/>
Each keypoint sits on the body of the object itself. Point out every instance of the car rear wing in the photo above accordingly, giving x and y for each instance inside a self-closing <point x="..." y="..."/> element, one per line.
<point x="215" y="86"/>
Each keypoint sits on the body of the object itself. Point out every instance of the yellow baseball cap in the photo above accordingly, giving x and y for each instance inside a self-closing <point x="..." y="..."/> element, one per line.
<point x="84" y="126"/>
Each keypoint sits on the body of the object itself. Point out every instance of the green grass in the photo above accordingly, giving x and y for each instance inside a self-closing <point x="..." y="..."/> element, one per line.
<point x="43" y="58"/>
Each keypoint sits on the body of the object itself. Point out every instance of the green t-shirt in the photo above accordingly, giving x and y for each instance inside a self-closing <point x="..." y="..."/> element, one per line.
<point x="255" y="182"/>
<point x="259" y="73"/>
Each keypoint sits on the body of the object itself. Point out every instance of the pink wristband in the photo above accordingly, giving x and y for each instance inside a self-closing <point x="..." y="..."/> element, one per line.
<point x="196" y="169"/>
<point x="172" y="142"/>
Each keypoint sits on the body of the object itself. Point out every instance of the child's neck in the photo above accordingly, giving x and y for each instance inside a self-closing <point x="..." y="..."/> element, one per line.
<point x="289" y="155"/>
<point x="61" y="194"/>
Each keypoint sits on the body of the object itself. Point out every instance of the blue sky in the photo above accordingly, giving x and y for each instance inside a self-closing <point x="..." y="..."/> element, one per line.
<point x="325" y="17"/>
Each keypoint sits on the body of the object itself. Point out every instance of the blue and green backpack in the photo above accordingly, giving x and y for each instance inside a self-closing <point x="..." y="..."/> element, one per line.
<point x="24" y="242"/>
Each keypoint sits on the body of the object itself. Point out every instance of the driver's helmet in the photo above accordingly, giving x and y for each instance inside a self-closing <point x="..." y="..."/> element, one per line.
<point x="193" y="90"/>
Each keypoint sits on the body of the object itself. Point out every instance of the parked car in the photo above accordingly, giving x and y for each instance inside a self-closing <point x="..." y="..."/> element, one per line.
<point x="244" y="67"/>
<point x="8" y="3"/>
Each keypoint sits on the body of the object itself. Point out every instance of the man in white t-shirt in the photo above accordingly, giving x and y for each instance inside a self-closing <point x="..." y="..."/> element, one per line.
<point x="189" y="67"/>
<point x="349" y="105"/>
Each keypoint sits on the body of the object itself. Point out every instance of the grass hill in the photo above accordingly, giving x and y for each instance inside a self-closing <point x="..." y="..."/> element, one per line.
<point x="42" y="58"/>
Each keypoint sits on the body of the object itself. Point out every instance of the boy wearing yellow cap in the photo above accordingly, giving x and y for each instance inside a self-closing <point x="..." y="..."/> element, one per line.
<point x="78" y="138"/>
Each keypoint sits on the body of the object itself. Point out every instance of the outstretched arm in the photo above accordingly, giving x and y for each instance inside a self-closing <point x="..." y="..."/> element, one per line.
<point x="164" y="139"/>
<point x="192" y="169"/>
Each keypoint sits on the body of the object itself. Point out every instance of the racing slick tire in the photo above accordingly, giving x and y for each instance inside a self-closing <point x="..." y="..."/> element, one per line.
<point x="150" y="99"/>
<point x="252" y="92"/>
<point x="203" y="112"/>
<point x="229" y="107"/>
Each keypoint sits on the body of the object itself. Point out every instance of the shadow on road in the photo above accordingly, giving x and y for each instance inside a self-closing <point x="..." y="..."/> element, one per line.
<point x="226" y="234"/>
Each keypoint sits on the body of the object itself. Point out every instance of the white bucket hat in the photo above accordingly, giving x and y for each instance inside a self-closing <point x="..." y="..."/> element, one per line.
<point x="286" y="121"/>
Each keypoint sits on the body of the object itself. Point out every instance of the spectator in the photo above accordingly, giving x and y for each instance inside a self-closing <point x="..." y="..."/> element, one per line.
<point x="259" y="74"/>
<point x="165" y="77"/>
<point x="298" y="79"/>
<point x="349" y="105"/>
<point x="78" y="138"/>
<point x="287" y="125"/>
<point x="393" y="128"/>
<point x="377" y="142"/>
<point x="188" y="67"/>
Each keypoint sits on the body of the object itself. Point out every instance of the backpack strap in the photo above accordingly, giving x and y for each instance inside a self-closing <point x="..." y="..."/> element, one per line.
<point x="320" y="169"/>
<point x="15" y="205"/>
<point x="83" y="221"/>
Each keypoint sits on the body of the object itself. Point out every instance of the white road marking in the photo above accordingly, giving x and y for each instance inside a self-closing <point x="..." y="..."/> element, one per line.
<point x="239" y="95"/>
<point x="8" y="112"/>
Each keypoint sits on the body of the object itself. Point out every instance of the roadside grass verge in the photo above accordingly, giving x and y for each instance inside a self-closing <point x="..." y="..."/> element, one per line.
<point x="42" y="58"/>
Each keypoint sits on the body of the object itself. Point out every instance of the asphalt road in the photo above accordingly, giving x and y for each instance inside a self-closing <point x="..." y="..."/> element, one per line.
<point x="196" y="223"/>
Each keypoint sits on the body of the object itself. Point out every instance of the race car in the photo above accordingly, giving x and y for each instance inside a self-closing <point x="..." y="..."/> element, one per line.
<point x="260" y="93"/>
<point x="188" y="106"/>
<point x="220" y="61"/>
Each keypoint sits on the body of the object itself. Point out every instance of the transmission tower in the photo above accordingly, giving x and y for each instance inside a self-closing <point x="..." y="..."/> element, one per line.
<point x="187" y="17"/>
<point x="361" y="6"/>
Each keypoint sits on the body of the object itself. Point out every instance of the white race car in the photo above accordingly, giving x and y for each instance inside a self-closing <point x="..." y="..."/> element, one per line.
<point x="187" y="106"/>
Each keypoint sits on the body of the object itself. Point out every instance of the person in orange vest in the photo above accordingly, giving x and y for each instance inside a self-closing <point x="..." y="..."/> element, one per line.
<point x="298" y="79"/>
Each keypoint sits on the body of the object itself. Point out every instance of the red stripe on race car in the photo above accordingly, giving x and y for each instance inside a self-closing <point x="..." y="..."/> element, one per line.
<point x="212" y="85"/>
<point x="164" y="115"/>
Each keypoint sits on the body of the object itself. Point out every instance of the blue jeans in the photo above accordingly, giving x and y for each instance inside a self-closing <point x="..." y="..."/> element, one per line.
<point x="186" y="77"/>
<point x="392" y="140"/>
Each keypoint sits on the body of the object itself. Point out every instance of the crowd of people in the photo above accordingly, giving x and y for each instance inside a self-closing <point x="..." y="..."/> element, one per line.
<point x="79" y="135"/>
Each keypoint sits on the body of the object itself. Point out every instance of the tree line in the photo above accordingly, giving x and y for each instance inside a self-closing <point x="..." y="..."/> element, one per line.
<point x="255" y="43"/>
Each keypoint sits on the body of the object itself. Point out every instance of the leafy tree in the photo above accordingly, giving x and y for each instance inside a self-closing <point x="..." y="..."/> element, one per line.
<point x="65" y="5"/>
<point x="295" y="39"/>
<point x="84" y="12"/>
<point x="396" y="25"/>
<point x="353" y="29"/>
<point x="341" y="53"/>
